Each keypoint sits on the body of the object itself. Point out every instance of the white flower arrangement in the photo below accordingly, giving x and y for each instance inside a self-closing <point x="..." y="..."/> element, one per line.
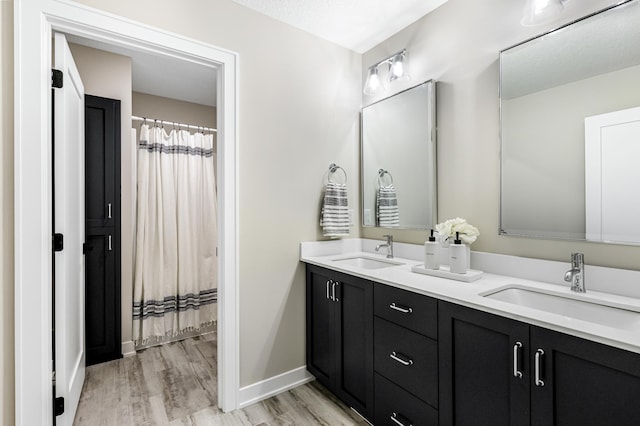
<point x="447" y="230"/>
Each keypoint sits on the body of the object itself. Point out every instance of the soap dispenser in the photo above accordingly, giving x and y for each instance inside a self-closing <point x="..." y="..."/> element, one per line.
<point x="458" y="256"/>
<point x="431" y="255"/>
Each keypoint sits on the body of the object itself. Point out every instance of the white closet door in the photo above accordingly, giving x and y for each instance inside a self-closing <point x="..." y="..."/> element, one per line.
<point x="68" y="190"/>
<point x="612" y="176"/>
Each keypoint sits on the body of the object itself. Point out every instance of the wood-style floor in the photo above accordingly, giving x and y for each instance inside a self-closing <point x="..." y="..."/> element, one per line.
<point x="176" y="384"/>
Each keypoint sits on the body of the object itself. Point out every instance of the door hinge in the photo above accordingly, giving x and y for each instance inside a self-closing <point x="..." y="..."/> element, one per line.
<point x="58" y="242"/>
<point x="56" y="78"/>
<point x="58" y="406"/>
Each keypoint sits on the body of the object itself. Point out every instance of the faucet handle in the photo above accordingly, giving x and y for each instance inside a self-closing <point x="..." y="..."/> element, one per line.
<point x="389" y="237"/>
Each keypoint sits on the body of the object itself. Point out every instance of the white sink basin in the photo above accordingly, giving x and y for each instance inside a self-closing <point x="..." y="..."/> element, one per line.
<point x="366" y="262"/>
<point x="599" y="312"/>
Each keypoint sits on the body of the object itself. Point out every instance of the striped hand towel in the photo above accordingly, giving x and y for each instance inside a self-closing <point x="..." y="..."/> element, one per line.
<point x="387" y="207"/>
<point x="334" y="216"/>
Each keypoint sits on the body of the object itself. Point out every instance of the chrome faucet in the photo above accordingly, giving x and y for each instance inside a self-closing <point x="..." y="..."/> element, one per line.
<point x="575" y="275"/>
<point x="388" y="245"/>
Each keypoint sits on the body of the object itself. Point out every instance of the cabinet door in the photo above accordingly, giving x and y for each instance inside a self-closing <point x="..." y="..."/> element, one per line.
<point x="355" y="343"/>
<point x="321" y="339"/>
<point x="479" y="382"/>
<point x="583" y="382"/>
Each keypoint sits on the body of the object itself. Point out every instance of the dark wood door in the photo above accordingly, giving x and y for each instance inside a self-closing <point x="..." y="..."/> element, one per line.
<point x="340" y="336"/>
<point x="582" y="382"/>
<point x="479" y="383"/>
<point x="355" y="343"/>
<point x="102" y="226"/>
<point x="321" y="328"/>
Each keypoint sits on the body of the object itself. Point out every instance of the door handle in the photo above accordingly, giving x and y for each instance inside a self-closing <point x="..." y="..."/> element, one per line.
<point x="400" y="308"/>
<point x="109" y="243"/>
<point x="399" y="358"/>
<point x="333" y="291"/>
<point x="538" y="368"/>
<point x="395" y="417"/>
<point x="516" y="360"/>
<point x="109" y="211"/>
<point x="328" y="294"/>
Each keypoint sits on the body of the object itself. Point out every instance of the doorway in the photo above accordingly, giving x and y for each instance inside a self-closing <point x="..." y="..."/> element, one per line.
<point x="33" y="205"/>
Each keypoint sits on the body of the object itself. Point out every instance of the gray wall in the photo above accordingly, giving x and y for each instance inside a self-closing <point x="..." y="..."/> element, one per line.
<point x="458" y="45"/>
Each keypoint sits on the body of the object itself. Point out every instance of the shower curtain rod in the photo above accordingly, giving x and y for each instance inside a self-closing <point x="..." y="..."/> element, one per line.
<point x="188" y="126"/>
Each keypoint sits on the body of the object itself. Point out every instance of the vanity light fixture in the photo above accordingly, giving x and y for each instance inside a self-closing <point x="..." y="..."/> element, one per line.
<point x="398" y="69"/>
<point x="538" y="12"/>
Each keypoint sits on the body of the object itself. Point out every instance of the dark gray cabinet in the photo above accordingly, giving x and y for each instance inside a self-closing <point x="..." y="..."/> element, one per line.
<point x="497" y="371"/>
<point x="581" y="382"/>
<point x="102" y="228"/>
<point x="401" y="358"/>
<point x="484" y="371"/>
<point x="405" y="357"/>
<point x="340" y="336"/>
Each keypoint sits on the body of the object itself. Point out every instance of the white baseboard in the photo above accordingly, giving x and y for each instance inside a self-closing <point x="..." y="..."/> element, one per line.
<point x="128" y="348"/>
<point x="272" y="386"/>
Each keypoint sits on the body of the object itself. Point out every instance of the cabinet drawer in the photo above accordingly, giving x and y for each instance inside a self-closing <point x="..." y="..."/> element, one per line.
<point x="413" y="311"/>
<point x="407" y="358"/>
<point x="394" y="402"/>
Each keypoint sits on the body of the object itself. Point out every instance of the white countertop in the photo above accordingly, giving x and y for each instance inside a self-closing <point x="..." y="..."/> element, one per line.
<point x="499" y="271"/>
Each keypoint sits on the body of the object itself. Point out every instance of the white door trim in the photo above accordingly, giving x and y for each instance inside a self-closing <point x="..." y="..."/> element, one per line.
<point x="34" y="21"/>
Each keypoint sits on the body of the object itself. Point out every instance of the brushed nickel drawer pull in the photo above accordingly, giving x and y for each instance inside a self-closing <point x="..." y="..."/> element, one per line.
<point x="109" y="211"/>
<point x="398" y="357"/>
<point x="401" y="308"/>
<point x="395" y="418"/>
<point x="516" y="360"/>
<point x="538" y="380"/>
<point x="328" y="295"/>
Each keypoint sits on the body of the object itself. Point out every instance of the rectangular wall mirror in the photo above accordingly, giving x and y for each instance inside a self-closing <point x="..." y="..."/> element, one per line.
<point x="570" y="131"/>
<point x="398" y="148"/>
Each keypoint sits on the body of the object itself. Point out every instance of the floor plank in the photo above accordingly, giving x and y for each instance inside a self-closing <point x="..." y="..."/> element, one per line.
<point x="176" y="384"/>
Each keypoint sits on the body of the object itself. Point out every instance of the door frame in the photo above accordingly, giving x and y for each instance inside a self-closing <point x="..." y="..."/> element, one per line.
<point x="34" y="22"/>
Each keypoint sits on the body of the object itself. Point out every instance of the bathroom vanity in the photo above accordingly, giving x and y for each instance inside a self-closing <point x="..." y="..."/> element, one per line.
<point x="403" y="348"/>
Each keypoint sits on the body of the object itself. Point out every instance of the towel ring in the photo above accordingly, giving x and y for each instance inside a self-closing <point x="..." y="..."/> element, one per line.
<point x="381" y="173"/>
<point x="333" y="167"/>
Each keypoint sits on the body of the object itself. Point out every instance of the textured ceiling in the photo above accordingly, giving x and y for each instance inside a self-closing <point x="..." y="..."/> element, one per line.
<point x="358" y="25"/>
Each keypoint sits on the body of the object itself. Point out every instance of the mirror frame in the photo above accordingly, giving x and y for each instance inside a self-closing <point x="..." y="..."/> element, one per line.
<point x="431" y="150"/>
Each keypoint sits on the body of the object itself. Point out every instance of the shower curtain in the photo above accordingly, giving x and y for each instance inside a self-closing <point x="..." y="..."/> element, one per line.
<point x="175" y="282"/>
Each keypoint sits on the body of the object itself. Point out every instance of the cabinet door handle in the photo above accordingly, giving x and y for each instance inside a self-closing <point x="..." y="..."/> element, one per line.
<point x="333" y="291"/>
<point x="109" y="243"/>
<point x="400" y="308"/>
<point x="516" y="360"/>
<point x="328" y="294"/>
<point x="399" y="357"/>
<point x="395" y="417"/>
<point x="538" y="367"/>
<point x="109" y="211"/>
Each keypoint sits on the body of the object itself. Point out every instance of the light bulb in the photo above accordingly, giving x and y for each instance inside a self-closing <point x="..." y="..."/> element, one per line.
<point x="374" y="83"/>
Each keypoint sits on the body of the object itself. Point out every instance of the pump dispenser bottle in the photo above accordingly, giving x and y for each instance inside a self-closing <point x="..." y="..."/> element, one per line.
<point x="458" y="256"/>
<point x="431" y="255"/>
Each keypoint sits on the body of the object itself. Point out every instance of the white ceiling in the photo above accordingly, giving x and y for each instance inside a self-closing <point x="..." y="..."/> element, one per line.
<point x="162" y="75"/>
<point x="358" y="25"/>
